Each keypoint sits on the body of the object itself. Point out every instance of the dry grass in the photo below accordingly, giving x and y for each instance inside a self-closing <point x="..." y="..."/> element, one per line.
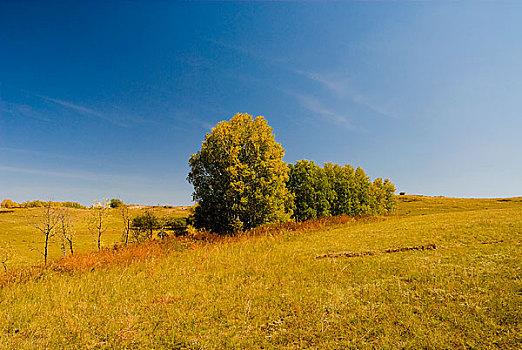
<point x="266" y="289"/>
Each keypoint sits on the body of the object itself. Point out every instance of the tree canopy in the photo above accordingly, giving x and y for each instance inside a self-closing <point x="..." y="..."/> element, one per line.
<point x="337" y="190"/>
<point x="239" y="177"/>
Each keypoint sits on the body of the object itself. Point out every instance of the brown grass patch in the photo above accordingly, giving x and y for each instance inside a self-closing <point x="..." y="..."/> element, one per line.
<point x="375" y="252"/>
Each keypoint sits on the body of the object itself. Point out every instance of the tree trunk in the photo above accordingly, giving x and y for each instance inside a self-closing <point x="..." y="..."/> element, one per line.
<point x="45" y="248"/>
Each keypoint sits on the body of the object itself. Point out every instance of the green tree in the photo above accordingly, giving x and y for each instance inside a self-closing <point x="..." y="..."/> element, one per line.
<point x="342" y="182"/>
<point x="390" y="199"/>
<point x="362" y="193"/>
<point x="239" y="177"/>
<point x="312" y="190"/>
<point x="116" y="203"/>
<point x="143" y="226"/>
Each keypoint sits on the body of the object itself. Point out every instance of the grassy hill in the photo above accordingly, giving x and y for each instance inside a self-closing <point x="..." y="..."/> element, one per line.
<point x="280" y="291"/>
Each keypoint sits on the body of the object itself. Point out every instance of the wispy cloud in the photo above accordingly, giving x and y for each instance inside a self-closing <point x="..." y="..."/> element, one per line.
<point x="84" y="176"/>
<point x="341" y="87"/>
<point x="23" y="110"/>
<point x="86" y="111"/>
<point x="36" y="153"/>
<point x="315" y="106"/>
<point x="246" y="51"/>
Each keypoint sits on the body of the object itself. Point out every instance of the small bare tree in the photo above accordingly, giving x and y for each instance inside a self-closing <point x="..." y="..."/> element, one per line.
<point x="127" y="223"/>
<point x="46" y="225"/>
<point x="5" y="255"/>
<point x="67" y="231"/>
<point x="99" y="211"/>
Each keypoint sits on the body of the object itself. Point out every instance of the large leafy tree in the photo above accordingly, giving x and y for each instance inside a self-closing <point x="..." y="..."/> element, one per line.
<point x="239" y="177"/>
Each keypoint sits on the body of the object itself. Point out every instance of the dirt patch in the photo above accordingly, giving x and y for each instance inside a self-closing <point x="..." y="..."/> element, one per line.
<point x="376" y="252"/>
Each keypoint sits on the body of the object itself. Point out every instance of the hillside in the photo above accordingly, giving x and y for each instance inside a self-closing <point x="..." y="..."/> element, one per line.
<point x="279" y="291"/>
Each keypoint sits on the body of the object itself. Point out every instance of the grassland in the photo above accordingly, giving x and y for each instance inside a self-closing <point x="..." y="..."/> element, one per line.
<point x="25" y="243"/>
<point x="273" y="292"/>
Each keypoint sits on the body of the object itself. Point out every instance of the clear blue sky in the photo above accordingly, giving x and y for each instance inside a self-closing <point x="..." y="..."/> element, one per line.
<point x="110" y="99"/>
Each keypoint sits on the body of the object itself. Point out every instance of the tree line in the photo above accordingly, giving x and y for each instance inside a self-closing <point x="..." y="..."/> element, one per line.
<point x="241" y="181"/>
<point x="9" y="204"/>
<point x="336" y="190"/>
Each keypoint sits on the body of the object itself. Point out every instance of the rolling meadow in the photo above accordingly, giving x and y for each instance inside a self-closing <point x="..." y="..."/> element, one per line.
<point x="439" y="273"/>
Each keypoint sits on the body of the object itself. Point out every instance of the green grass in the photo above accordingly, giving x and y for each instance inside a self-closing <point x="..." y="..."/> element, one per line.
<point x="272" y="292"/>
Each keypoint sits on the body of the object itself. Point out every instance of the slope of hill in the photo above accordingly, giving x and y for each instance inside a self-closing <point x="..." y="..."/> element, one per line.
<point x="277" y="292"/>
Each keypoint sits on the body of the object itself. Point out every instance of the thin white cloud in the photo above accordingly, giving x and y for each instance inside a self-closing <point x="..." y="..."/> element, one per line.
<point x="315" y="106"/>
<point x="246" y="51"/>
<point x="22" y="110"/>
<point x="338" y="86"/>
<point x="36" y="153"/>
<point x="341" y="87"/>
<point x="86" y="176"/>
<point x="84" y="110"/>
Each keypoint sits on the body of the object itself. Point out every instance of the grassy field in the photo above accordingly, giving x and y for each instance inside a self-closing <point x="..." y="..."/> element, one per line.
<point x="274" y="292"/>
<point x="25" y="243"/>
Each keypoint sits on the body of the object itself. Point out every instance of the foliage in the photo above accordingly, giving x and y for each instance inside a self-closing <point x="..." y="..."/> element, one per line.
<point x="239" y="177"/>
<point x="40" y="204"/>
<point x="313" y="193"/>
<point x="143" y="226"/>
<point x="179" y="226"/>
<point x="7" y="203"/>
<point x="336" y="190"/>
<point x="116" y="203"/>
<point x="73" y="205"/>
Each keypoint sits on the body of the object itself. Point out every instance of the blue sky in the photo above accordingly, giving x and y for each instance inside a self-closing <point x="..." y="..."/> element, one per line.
<point x="110" y="99"/>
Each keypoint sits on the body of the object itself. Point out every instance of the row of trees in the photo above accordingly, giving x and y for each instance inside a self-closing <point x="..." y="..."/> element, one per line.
<point x="7" y="203"/>
<point x="336" y="190"/>
<point x="241" y="181"/>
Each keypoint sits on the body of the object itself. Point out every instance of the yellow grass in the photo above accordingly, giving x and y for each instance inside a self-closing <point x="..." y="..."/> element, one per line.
<point x="270" y="290"/>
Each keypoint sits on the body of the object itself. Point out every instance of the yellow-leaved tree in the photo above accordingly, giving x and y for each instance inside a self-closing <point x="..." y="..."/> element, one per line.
<point x="239" y="177"/>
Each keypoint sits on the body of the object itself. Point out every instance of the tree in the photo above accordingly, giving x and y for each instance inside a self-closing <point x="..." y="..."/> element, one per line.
<point x="127" y="223"/>
<point x="99" y="212"/>
<point x="391" y="200"/>
<point x="7" y="203"/>
<point x="342" y="181"/>
<point x="239" y="177"/>
<point x="143" y="226"/>
<point x="313" y="193"/>
<point x="5" y="255"/>
<point x="116" y="203"/>
<point x="46" y="225"/>
<point x="337" y="190"/>
<point x="362" y="193"/>
<point x="66" y="229"/>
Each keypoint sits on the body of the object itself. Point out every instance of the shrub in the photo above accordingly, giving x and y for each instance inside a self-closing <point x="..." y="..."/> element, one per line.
<point x="179" y="226"/>
<point x="143" y="226"/>
<point x="116" y="203"/>
<point x="72" y="205"/>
